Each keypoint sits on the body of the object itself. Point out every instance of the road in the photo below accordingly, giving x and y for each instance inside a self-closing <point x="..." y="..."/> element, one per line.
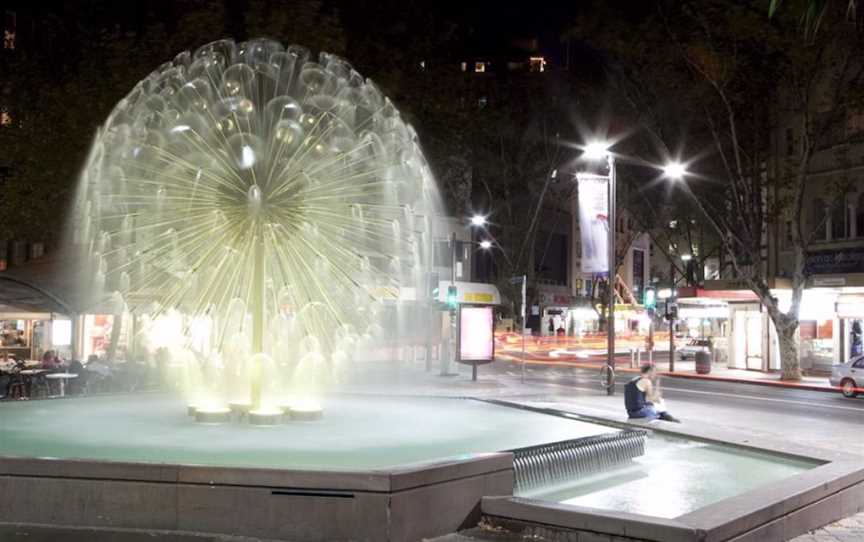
<point x="813" y="418"/>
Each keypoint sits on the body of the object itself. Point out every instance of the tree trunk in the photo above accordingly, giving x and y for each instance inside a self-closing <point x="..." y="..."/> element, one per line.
<point x="787" y="338"/>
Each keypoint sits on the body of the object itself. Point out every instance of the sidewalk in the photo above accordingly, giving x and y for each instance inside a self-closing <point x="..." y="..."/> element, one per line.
<point x="687" y="369"/>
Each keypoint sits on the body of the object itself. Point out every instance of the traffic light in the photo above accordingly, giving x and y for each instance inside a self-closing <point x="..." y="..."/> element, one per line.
<point x="671" y="312"/>
<point x="650" y="302"/>
<point x="452" y="297"/>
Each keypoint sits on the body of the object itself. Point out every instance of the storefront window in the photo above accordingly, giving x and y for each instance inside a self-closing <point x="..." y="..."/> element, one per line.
<point x="13" y="334"/>
<point x="98" y="333"/>
<point x="838" y="221"/>
<point x="638" y="274"/>
<point x="817" y="341"/>
<point x="856" y="339"/>
<point x="818" y="220"/>
<point x="859" y="215"/>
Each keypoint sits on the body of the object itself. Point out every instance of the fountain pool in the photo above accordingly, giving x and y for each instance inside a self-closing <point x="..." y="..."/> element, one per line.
<point x="358" y="432"/>
<point x="389" y="468"/>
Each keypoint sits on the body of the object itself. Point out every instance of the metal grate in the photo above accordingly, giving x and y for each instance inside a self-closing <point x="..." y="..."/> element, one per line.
<point x="546" y="464"/>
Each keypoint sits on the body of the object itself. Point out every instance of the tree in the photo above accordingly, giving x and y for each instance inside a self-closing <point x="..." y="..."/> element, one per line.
<point x="811" y="12"/>
<point x="492" y="139"/>
<point x="736" y="78"/>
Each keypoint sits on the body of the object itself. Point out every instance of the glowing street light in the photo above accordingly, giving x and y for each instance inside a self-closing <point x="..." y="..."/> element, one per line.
<point x="596" y="150"/>
<point x="478" y="220"/>
<point x="485" y="244"/>
<point x="675" y="170"/>
<point x="686" y="257"/>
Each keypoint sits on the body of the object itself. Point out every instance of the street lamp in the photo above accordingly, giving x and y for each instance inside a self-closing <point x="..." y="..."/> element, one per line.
<point x="675" y="170"/>
<point x="478" y="220"/>
<point x="595" y="151"/>
<point x="485" y="244"/>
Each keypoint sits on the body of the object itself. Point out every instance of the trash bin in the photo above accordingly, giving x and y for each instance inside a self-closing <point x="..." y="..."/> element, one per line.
<point x="703" y="363"/>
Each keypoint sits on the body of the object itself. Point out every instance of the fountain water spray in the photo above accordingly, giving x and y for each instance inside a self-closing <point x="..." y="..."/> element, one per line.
<point x="273" y="200"/>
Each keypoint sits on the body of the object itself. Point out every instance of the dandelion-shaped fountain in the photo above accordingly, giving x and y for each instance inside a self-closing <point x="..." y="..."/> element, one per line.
<point x="257" y="205"/>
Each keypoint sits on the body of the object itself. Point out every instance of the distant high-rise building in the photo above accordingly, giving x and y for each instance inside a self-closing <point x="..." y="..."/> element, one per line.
<point x="10" y="30"/>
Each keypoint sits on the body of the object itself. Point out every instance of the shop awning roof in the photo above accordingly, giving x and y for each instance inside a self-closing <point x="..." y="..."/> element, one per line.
<point x="20" y="298"/>
<point x="696" y="294"/>
<point x="48" y="284"/>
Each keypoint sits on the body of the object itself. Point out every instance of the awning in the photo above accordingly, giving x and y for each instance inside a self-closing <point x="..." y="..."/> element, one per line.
<point x="21" y="301"/>
<point x="476" y="293"/>
<point x="850" y="307"/>
<point x="701" y="295"/>
<point x="49" y="284"/>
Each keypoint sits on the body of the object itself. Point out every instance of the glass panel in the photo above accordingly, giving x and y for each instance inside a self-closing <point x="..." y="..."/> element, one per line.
<point x="838" y="221"/>
<point x="817" y="341"/>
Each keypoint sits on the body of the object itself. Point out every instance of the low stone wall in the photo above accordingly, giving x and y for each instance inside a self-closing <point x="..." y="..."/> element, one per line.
<point x="106" y="499"/>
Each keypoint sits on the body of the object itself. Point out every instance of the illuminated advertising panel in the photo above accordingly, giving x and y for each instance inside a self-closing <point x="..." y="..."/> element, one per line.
<point x="476" y="334"/>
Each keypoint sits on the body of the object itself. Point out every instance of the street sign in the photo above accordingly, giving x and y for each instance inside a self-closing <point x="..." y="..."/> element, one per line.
<point x="517" y="279"/>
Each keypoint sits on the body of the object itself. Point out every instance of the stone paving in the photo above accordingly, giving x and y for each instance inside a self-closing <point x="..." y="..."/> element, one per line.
<point x="850" y="529"/>
<point x="847" y="530"/>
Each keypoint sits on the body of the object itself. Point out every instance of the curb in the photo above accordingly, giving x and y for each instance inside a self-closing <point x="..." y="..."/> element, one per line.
<point x="769" y="383"/>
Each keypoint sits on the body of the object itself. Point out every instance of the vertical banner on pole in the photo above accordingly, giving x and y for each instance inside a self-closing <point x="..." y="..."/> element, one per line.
<point x="594" y="222"/>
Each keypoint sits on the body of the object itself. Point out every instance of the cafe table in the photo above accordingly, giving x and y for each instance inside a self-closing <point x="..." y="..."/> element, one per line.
<point x="62" y="378"/>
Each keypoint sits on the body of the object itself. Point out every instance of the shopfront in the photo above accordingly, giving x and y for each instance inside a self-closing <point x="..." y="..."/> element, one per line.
<point x="830" y="330"/>
<point x="850" y="320"/>
<point x="99" y="331"/>
<point x="558" y="315"/>
<point x="28" y="335"/>
<point x="752" y="341"/>
<point x="704" y="321"/>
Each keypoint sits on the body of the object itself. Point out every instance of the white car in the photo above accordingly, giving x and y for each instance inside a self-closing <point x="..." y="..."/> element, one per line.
<point x="849" y="376"/>
<point x="694" y="345"/>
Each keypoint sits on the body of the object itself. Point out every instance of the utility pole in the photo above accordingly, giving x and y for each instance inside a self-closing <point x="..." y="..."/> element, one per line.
<point x="669" y="316"/>
<point x="610" y="322"/>
<point x="445" y="360"/>
<point x="524" y="315"/>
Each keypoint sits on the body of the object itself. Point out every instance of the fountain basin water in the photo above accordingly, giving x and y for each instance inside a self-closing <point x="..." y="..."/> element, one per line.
<point x="375" y="468"/>
<point x="357" y="432"/>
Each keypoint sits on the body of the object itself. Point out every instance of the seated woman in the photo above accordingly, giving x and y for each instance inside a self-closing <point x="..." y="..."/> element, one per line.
<point x="642" y="398"/>
<point x="50" y="361"/>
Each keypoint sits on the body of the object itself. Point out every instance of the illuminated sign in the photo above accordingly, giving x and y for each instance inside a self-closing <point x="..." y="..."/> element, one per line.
<point x="61" y="332"/>
<point x="474" y="297"/>
<point x="476" y="334"/>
